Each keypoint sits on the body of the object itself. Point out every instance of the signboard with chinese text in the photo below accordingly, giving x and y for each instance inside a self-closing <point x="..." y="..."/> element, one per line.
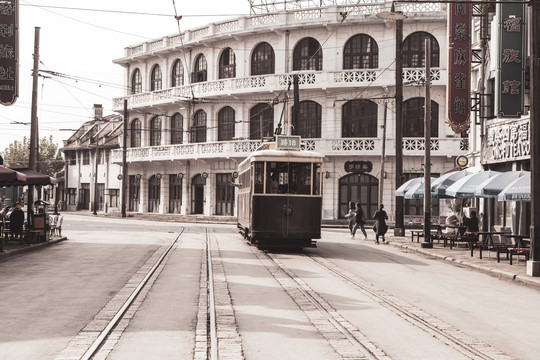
<point x="508" y="141"/>
<point x="459" y="65"/>
<point x="9" y="52"/>
<point x="358" y="167"/>
<point x="511" y="59"/>
<point x="287" y="142"/>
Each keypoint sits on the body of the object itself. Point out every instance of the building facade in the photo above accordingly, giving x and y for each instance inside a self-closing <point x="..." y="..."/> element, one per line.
<point x="198" y="102"/>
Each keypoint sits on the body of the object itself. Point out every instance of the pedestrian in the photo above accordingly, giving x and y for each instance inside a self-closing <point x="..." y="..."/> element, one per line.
<point x="380" y="226"/>
<point x="360" y="220"/>
<point x="351" y="217"/>
<point x="472" y="223"/>
<point x="16" y="221"/>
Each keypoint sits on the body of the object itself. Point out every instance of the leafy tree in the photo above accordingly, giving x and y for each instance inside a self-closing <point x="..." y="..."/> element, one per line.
<point x="49" y="159"/>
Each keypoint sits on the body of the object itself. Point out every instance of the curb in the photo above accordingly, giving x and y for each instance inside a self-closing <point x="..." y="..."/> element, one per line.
<point x="499" y="273"/>
<point x="29" y="248"/>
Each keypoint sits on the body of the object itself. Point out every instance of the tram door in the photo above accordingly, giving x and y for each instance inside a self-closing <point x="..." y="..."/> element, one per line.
<point x="197" y="194"/>
<point x="362" y="188"/>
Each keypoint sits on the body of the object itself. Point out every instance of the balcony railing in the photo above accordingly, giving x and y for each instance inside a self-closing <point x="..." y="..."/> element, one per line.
<point x="276" y="82"/>
<point x="328" y="147"/>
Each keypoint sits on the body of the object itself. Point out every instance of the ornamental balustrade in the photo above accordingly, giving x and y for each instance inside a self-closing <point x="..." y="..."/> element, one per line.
<point x="329" y="147"/>
<point x="277" y="82"/>
<point x="297" y="17"/>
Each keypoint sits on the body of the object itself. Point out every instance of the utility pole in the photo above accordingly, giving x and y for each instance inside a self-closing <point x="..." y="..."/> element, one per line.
<point x="383" y="153"/>
<point x="33" y="128"/>
<point x="124" y="159"/>
<point x="533" y="265"/>
<point x="427" y="150"/>
<point x="399" y="227"/>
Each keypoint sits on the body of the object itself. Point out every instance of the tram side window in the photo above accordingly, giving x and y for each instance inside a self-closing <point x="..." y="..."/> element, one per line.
<point x="244" y="180"/>
<point x="258" y="177"/>
<point x="301" y="176"/>
<point x="317" y="179"/>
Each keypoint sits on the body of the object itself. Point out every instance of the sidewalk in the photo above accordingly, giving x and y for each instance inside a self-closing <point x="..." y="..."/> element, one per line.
<point x="461" y="255"/>
<point x="13" y="247"/>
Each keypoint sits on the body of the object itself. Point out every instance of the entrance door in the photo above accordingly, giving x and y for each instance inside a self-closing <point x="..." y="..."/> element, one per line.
<point x="197" y="194"/>
<point x="154" y="190"/>
<point x="224" y="195"/>
<point x="362" y="188"/>
<point x="84" y="197"/>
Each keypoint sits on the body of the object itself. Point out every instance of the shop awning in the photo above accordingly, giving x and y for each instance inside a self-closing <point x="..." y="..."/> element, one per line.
<point x="9" y="177"/>
<point x="35" y="178"/>
<point x="493" y="186"/>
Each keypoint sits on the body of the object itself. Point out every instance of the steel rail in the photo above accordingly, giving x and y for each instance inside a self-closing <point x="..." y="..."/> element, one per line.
<point x="120" y="313"/>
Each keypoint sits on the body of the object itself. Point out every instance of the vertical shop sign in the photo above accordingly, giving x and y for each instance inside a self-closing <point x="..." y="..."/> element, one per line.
<point x="511" y="59"/>
<point x="459" y="65"/>
<point x="9" y="52"/>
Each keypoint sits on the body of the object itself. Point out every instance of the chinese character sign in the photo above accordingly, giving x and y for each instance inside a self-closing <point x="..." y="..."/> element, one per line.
<point x="459" y="65"/>
<point x="288" y="142"/>
<point x="509" y="141"/>
<point x="511" y="59"/>
<point x="9" y="57"/>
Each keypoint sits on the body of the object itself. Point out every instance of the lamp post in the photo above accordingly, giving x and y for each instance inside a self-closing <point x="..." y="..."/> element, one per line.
<point x="398" y="16"/>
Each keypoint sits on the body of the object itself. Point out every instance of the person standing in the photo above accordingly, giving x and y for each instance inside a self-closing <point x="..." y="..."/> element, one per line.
<point x="351" y="217"/>
<point x="360" y="219"/>
<point x="16" y="221"/>
<point x="380" y="226"/>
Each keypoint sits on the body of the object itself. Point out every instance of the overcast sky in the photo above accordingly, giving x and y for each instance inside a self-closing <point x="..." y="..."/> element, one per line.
<point x="81" y="39"/>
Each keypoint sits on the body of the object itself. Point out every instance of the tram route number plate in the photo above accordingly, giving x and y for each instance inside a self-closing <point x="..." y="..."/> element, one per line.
<point x="288" y="142"/>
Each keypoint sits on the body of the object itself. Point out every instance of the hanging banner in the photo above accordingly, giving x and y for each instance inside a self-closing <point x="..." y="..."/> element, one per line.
<point x="459" y="66"/>
<point x="9" y="51"/>
<point x="511" y="59"/>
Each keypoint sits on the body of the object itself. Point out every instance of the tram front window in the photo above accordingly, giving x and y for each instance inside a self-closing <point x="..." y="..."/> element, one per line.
<point x="288" y="178"/>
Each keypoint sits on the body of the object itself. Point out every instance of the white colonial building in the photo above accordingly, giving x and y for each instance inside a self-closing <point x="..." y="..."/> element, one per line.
<point x="198" y="102"/>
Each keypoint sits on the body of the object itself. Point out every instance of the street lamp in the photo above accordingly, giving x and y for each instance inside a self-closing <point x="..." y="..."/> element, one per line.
<point x="398" y="16"/>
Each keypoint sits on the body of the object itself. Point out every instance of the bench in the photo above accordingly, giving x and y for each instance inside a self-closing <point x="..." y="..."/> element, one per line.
<point x="453" y="239"/>
<point x="524" y="249"/>
<point x="435" y="232"/>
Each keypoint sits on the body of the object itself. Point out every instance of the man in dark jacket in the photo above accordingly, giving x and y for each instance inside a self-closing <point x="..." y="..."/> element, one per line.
<point x="16" y="221"/>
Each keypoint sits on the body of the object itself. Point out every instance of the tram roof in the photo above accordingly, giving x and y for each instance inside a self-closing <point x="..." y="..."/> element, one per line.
<point x="283" y="155"/>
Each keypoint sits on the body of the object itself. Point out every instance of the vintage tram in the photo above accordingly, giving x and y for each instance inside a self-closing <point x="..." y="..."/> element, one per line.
<point x="279" y="197"/>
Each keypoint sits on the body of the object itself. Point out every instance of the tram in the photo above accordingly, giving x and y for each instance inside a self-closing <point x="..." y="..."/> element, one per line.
<point x="279" y="196"/>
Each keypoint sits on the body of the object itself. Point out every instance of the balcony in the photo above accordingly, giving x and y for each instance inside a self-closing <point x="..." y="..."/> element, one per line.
<point x="328" y="147"/>
<point x="276" y="82"/>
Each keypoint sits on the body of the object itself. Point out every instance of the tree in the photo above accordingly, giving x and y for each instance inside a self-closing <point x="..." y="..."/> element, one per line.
<point x="49" y="160"/>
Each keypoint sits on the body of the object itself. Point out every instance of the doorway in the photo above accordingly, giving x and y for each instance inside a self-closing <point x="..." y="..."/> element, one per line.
<point x="362" y="188"/>
<point x="197" y="194"/>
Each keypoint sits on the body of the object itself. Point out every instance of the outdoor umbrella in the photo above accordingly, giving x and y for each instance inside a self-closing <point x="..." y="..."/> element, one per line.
<point x="400" y="191"/>
<point x="519" y="189"/>
<point x="439" y="186"/>
<point x="417" y="190"/>
<point x="466" y="186"/>
<point x="9" y="177"/>
<point x="494" y="185"/>
<point x="35" y="178"/>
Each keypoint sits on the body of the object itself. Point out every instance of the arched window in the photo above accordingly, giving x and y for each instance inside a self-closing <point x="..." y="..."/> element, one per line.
<point x="361" y="52"/>
<point x="414" y="50"/>
<point x="226" y="124"/>
<point x="359" y="119"/>
<point x="199" y="71"/>
<point x="227" y="64"/>
<point x="136" y="82"/>
<point x="261" y="115"/>
<point x="308" y="119"/>
<point x="308" y="55"/>
<point x="262" y="59"/>
<point x="136" y="133"/>
<point x="156" y="78"/>
<point x="155" y="131"/>
<point x="177" y="128"/>
<point x="413" y="118"/>
<point x="177" y="76"/>
<point x="198" y="130"/>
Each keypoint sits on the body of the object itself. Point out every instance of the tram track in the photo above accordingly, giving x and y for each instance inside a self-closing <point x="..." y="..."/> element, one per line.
<point x="346" y="339"/>
<point x="98" y="338"/>
<point x="470" y="347"/>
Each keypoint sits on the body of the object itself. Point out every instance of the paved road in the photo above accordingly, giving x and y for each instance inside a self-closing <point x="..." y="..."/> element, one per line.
<point x="50" y="295"/>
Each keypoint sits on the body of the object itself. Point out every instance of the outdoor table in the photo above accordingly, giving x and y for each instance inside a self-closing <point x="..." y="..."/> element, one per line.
<point x="488" y="240"/>
<point x="452" y="237"/>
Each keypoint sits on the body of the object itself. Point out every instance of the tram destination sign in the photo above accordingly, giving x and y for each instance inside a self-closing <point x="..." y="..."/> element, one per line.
<point x="284" y="142"/>
<point x="9" y="51"/>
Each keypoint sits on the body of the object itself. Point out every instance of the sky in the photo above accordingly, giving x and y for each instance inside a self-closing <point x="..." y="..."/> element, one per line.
<point x="80" y="39"/>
